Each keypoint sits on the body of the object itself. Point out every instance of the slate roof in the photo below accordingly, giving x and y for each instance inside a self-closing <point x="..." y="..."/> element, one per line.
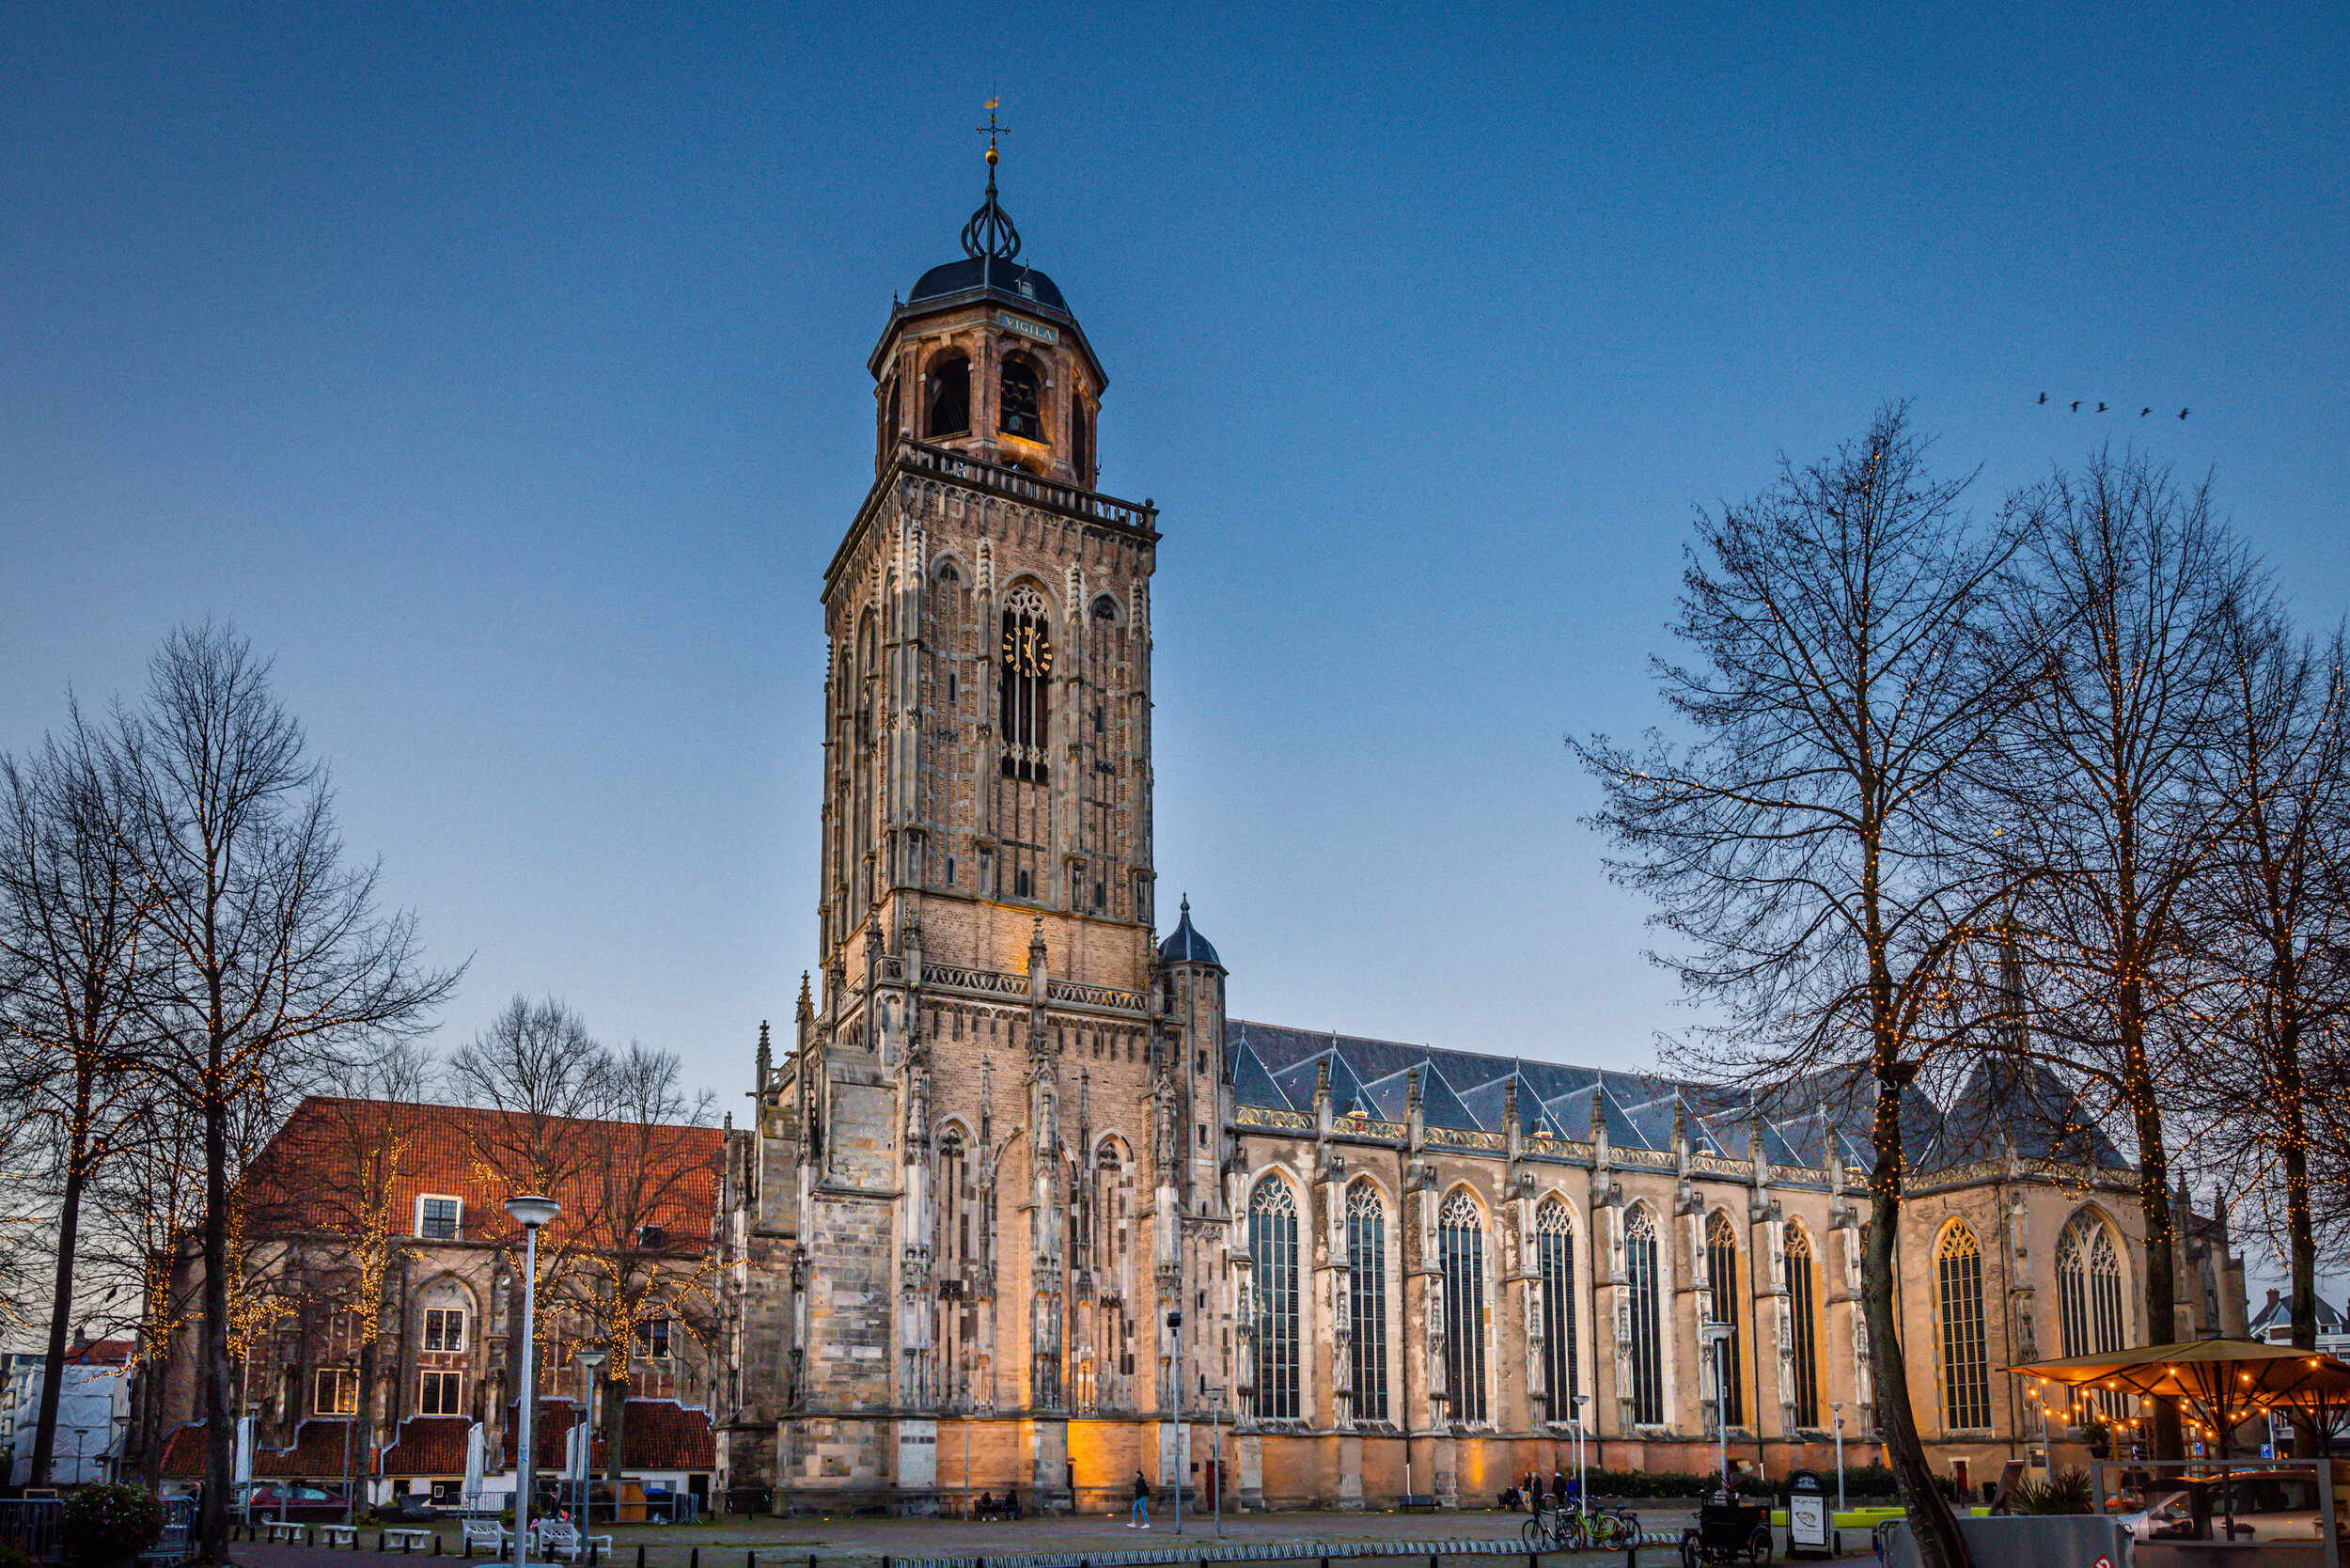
<point x="1277" y="1068"/>
<point x="2276" y="1319"/>
<point x="306" y="1179"/>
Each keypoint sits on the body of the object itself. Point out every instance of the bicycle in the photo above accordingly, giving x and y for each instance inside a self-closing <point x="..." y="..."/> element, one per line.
<point x="1576" y="1526"/>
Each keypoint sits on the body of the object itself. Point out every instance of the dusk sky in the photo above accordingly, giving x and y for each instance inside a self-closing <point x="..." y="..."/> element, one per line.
<point x="501" y="370"/>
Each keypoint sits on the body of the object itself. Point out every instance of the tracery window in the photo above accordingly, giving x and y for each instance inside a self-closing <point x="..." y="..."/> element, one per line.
<point x="1367" y="1300"/>
<point x="947" y="395"/>
<point x="2089" y="1293"/>
<point x="1273" y="1248"/>
<point x="1027" y="675"/>
<point x="1461" y="1246"/>
<point x="1803" y="1301"/>
<point x="1554" y="1251"/>
<point x="1648" y="1343"/>
<point x="1017" y="412"/>
<point x="1721" y="1272"/>
<point x="1966" y="1365"/>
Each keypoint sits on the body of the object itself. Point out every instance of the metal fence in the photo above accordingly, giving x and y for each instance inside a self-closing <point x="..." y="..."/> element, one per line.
<point x="30" y="1526"/>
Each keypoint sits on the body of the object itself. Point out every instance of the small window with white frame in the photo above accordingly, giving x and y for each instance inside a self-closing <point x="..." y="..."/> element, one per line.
<point x="438" y="1218"/>
<point x="441" y="1393"/>
<point x="444" y="1328"/>
<point x="335" y="1392"/>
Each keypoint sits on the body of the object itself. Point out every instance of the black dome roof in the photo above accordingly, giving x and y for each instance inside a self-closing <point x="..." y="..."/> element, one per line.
<point x="1185" y="945"/>
<point x="998" y="276"/>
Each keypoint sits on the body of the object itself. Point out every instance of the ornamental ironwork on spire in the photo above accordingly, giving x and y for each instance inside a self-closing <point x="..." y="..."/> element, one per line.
<point x="989" y="232"/>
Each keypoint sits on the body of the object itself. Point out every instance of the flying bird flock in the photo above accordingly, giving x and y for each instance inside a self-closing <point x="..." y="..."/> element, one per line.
<point x="2103" y="408"/>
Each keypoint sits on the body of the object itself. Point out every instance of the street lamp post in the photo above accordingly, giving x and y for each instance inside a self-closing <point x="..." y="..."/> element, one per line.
<point x="351" y="1418"/>
<point x="1215" y="1450"/>
<point x="969" y="1410"/>
<point x="1839" y="1408"/>
<point x="532" y="1212"/>
<point x="1578" y="1402"/>
<point x="589" y="1361"/>
<point x="1716" y="1336"/>
<point x="1175" y="1378"/>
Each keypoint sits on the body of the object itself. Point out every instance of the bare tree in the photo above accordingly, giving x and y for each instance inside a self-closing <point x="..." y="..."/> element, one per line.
<point x="1803" y="849"/>
<point x="2272" y="925"/>
<point x="268" y="951"/>
<point x="72" y="919"/>
<point x="641" y="1245"/>
<point x="2106" y="772"/>
<point x="551" y="1082"/>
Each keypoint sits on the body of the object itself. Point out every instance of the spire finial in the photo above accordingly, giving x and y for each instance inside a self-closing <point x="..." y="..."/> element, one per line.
<point x="989" y="232"/>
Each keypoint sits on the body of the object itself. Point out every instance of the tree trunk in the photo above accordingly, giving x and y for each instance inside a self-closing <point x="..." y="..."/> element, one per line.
<point x="615" y="1427"/>
<point x="61" y="1297"/>
<point x="1939" y="1543"/>
<point x="220" y="1413"/>
<point x="2154" y="1202"/>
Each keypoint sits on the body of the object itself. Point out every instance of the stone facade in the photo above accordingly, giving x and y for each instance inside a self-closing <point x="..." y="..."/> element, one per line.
<point x="1012" y="1140"/>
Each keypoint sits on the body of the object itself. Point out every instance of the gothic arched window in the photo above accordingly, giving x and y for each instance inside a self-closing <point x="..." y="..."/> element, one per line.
<point x="1554" y="1252"/>
<point x="1803" y="1304"/>
<point x="1273" y="1248"/>
<point x="1017" y="411"/>
<point x="1461" y="1244"/>
<point x="1367" y="1300"/>
<point x="1647" y="1341"/>
<point x="1028" y="679"/>
<point x="1721" y="1272"/>
<point x="947" y="396"/>
<point x="2089" y="1293"/>
<point x="1966" y="1364"/>
<point x="1080" y="435"/>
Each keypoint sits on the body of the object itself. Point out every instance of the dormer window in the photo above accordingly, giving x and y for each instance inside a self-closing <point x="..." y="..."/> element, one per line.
<point x="948" y="398"/>
<point x="1018" y="411"/>
<point x="437" y="1218"/>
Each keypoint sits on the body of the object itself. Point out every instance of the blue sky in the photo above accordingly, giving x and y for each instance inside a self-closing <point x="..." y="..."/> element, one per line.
<point x="502" y="370"/>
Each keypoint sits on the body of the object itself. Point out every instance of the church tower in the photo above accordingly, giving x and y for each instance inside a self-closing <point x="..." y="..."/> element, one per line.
<point x="948" y="1231"/>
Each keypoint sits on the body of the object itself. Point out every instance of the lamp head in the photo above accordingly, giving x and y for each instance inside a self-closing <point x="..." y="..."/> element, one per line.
<point x="592" y="1359"/>
<point x="531" y="1210"/>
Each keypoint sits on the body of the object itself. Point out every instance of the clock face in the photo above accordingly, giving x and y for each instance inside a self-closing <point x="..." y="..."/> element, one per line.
<point x="1027" y="649"/>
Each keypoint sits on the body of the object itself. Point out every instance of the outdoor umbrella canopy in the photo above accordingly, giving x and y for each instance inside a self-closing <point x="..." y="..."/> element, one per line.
<point x="2224" y="1381"/>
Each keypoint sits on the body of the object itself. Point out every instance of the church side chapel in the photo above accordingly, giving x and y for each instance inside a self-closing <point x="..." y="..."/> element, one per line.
<point x="1023" y="1207"/>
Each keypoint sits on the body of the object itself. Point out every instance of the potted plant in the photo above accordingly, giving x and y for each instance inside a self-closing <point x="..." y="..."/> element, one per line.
<point x="107" y="1527"/>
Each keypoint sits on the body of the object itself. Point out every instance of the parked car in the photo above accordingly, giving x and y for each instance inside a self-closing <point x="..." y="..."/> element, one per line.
<point x="295" y="1502"/>
<point x="2267" y="1505"/>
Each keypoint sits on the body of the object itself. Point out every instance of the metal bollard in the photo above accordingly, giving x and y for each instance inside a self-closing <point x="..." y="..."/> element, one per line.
<point x="640" y="1556"/>
<point x="697" y="1559"/>
<point x="379" y="1542"/>
<point x="436" y="1543"/>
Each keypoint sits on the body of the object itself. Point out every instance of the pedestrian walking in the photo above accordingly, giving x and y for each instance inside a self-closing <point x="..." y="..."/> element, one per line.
<point x="1142" y="1504"/>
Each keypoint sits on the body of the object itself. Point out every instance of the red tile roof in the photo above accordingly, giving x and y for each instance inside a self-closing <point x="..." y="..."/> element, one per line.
<point x="318" y="1454"/>
<point x="662" y="1434"/>
<point x="429" y="1446"/>
<point x="99" y="1352"/>
<point x="309" y="1176"/>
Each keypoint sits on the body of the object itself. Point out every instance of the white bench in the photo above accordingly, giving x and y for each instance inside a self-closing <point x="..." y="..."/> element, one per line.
<point x="281" y="1530"/>
<point x="487" y="1534"/>
<point x="408" y="1539"/>
<point x="558" y="1539"/>
<point x="340" y="1535"/>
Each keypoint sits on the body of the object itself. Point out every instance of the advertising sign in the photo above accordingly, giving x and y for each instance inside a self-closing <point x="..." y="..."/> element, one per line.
<point x="1811" y="1532"/>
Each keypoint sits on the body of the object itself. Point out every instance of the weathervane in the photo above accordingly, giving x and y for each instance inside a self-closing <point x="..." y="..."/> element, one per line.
<point x="990" y="231"/>
<point x="993" y="131"/>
